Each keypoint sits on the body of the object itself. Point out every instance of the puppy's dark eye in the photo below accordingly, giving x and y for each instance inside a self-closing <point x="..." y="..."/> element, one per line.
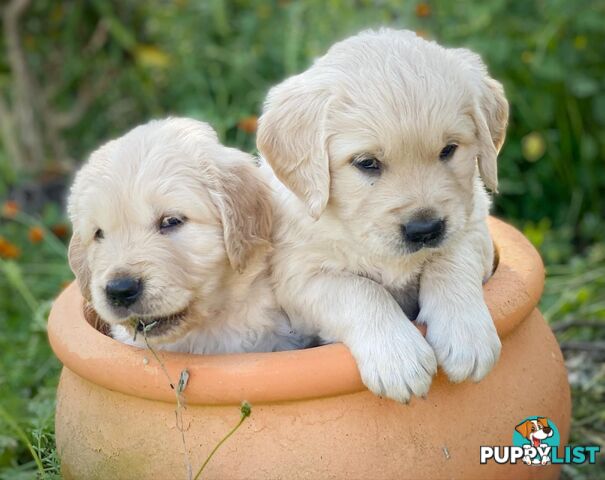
<point x="368" y="164"/>
<point x="448" y="151"/>
<point x="170" y="222"/>
<point x="99" y="234"/>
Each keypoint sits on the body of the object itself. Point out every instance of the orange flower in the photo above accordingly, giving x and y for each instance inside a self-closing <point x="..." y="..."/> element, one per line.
<point x="10" y="208"/>
<point x="423" y="10"/>
<point x="35" y="234"/>
<point x="60" y="230"/>
<point x="8" y="250"/>
<point x="248" y="124"/>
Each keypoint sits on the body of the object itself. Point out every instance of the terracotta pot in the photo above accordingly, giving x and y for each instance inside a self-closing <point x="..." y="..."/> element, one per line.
<point x="312" y="417"/>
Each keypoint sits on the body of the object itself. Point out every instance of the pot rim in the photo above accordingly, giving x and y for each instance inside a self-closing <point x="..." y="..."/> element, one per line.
<point x="511" y="295"/>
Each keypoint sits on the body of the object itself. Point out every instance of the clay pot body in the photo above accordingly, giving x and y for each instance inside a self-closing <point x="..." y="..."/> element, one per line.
<point x="311" y="416"/>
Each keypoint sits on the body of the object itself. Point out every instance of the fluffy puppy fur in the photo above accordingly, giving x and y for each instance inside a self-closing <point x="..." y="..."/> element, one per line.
<point x="384" y="133"/>
<point x="174" y="228"/>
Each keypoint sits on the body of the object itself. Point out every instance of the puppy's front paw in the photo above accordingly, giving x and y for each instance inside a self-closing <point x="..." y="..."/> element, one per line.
<point x="466" y="346"/>
<point x="398" y="366"/>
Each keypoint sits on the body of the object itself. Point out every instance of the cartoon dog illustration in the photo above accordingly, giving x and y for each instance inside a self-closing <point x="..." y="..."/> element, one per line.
<point x="535" y="431"/>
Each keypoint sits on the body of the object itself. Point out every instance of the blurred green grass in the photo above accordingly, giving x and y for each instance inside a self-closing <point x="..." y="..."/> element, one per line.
<point x="100" y="67"/>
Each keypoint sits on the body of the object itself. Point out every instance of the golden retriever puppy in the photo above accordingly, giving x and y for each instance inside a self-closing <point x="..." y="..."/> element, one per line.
<point x="384" y="142"/>
<point x="172" y="231"/>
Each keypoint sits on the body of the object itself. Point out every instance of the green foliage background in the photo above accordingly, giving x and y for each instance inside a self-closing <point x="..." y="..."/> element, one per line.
<point x="215" y="60"/>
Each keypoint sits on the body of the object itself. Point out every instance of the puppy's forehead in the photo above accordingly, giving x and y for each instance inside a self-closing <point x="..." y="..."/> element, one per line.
<point x="144" y="177"/>
<point x="392" y="133"/>
<point x="399" y="89"/>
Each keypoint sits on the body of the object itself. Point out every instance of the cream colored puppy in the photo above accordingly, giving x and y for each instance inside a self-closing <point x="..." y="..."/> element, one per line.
<point x="384" y="142"/>
<point x="171" y="235"/>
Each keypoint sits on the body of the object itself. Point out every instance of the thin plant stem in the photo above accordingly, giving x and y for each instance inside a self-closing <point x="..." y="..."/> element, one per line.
<point x="245" y="409"/>
<point x="218" y="445"/>
<point x="160" y="362"/>
<point x="178" y="411"/>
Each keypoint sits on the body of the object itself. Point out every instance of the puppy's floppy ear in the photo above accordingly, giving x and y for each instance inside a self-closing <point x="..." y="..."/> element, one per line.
<point x="491" y="117"/>
<point x="524" y="428"/>
<point x="77" y="261"/>
<point x="291" y="136"/>
<point x="244" y="202"/>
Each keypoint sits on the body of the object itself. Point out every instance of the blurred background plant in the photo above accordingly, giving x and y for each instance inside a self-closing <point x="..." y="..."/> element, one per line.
<point x="74" y="74"/>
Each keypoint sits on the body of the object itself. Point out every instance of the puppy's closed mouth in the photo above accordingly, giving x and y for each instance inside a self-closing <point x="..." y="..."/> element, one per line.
<point x="156" y="326"/>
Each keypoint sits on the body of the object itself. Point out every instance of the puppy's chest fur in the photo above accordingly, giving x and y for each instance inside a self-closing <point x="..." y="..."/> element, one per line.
<point x="400" y="279"/>
<point x="405" y="291"/>
<point x="407" y="296"/>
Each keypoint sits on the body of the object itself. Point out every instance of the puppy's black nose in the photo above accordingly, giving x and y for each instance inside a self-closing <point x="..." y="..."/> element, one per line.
<point x="547" y="430"/>
<point x="124" y="291"/>
<point x="424" y="232"/>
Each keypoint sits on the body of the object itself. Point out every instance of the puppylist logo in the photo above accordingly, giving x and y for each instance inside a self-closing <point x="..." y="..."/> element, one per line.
<point x="536" y="441"/>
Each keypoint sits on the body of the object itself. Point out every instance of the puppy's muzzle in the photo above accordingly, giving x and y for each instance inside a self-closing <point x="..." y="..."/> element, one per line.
<point x="123" y="291"/>
<point x="422" y="232"/>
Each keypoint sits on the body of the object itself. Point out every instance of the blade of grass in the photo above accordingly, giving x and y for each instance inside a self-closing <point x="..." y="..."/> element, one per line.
<point x="15" y="278"/>
<point x="10" y="421"/>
